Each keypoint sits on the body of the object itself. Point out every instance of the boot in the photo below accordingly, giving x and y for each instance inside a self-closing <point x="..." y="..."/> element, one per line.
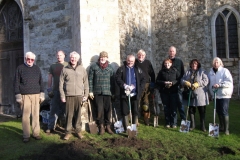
<point x="109" y="129"/>
<point x="101" y="129"/>
<point x="221" y="121"/>
<point x="145" y="117"/>
<point x="226" y="124"/>
<point x="202" y="122"/>
<point x="126" y="122"/>
<point x="136" y="121"/>
<point x="192" y="118"/>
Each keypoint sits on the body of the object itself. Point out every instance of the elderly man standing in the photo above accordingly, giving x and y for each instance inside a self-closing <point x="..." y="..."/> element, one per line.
<point x="148" y="71"/>
<point x="101" y="88"/>
<point x="131" y="81"/>
<point x="29" y="93"/>
<point x="178" y="64"/>
<point x="57" y="109"/>
<point x="73" y="87"/>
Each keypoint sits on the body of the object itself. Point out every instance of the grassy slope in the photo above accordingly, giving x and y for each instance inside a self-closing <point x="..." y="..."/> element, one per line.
<point x="172" y="143"/>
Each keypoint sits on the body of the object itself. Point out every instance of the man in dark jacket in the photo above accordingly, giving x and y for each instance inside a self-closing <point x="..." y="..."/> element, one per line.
<point x="178" y="64"/>
<point x="101" y="88"/>
<point x="148" y="71"/>
<point x="29" y="92"/>
<point x="131" y="81"/>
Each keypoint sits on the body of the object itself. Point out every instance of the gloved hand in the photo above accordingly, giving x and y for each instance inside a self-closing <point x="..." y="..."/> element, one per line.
<point x="19" y="99"/>
<point x="128" y="92"/>
<point x="131" y="87"/>
<point x="91" y="96"/>
<point x="50" y="92"/>
<point x="41" y="97"/>
<point x="84" y="99"/>
<point x="187" y="84"/>
<point x="195" y="85"/>
<point x="126" y="86"/>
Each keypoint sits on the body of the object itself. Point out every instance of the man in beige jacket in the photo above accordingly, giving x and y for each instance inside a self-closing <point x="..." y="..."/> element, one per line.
<point x="74" y="89"/>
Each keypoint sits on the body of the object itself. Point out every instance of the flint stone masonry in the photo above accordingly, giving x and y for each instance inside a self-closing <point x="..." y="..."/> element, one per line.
<point x="50" y="31"/>
<point x="121" y="27"/>
<point x="187" y="26"/>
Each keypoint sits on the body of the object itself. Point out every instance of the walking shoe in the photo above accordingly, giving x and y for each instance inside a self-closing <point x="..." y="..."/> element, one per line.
<point x="67" y="136"/>
<point x="174" y="126"/>
<point x="48" y="131"/>
<point x="227" y="133"/>
<point x="25" y="140"/>
<point x="167" y="126"/>
<point x="37" y="137"/>
<point x="79" y="135"/>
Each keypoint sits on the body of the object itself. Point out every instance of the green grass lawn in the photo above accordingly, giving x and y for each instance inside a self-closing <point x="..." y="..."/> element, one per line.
<point x="160" y="142"/>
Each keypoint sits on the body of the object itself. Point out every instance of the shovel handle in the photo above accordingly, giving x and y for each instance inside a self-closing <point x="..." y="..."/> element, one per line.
<point x="214" y="114"/>
<point x="189" y="98"/>
<point x="90" y="110"/>
<point x="115" y="113"/>
<point x="130" y="112"/>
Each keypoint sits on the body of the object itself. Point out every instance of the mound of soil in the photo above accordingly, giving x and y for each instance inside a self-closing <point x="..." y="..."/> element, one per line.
<point x="82" y="149"/>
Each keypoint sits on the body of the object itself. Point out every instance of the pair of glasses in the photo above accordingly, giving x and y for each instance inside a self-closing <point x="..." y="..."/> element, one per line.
<point x="29" y="59"/>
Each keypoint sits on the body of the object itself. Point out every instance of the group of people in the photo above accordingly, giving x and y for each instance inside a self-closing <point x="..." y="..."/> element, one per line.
<point x="69" y="85"/>
<point x="192" y="88"/>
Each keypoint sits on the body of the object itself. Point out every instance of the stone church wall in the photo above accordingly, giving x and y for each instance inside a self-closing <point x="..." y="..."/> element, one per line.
<point x="187" y="26"/>
<point x="135" y="27"/>
<point x="50" y="30"/>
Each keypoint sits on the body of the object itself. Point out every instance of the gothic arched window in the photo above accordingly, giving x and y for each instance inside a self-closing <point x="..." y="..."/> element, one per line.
<point x="225" y="33"/>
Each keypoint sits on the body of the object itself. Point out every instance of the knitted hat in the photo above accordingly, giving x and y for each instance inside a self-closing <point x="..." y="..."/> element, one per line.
<point x="103" y="54"/>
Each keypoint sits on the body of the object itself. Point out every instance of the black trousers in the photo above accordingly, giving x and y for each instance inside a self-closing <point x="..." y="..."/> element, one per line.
<point x="104" y="108"/>
<point x="134" y="106"/>
<point x="201" y="109"/>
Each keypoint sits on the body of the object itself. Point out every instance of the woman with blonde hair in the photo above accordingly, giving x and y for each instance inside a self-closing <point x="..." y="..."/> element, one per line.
<point x="221" y="79"/>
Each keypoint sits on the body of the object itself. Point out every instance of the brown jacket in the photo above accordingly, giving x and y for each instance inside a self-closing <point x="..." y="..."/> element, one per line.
<point x="73" y="82"/>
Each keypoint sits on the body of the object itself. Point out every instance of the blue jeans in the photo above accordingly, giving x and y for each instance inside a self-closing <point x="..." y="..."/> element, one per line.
<point x="222" y="106"/>
<point x="180" y="106"/>
<point x="169" y="101"/>
<point x="57" y="109"/>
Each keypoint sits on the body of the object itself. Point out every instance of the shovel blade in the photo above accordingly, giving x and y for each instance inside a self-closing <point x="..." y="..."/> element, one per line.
<point x="132" y="131"/>
<point x="185" y="126"/>
<point x="93" y="128"/>
<point x="213" y="130"/>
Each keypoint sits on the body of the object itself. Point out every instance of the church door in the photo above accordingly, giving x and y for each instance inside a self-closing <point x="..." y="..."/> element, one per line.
<point x="11" y="52"/>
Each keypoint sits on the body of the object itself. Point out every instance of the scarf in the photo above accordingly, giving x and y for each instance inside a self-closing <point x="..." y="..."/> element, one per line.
<point x="103" y="65"/>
